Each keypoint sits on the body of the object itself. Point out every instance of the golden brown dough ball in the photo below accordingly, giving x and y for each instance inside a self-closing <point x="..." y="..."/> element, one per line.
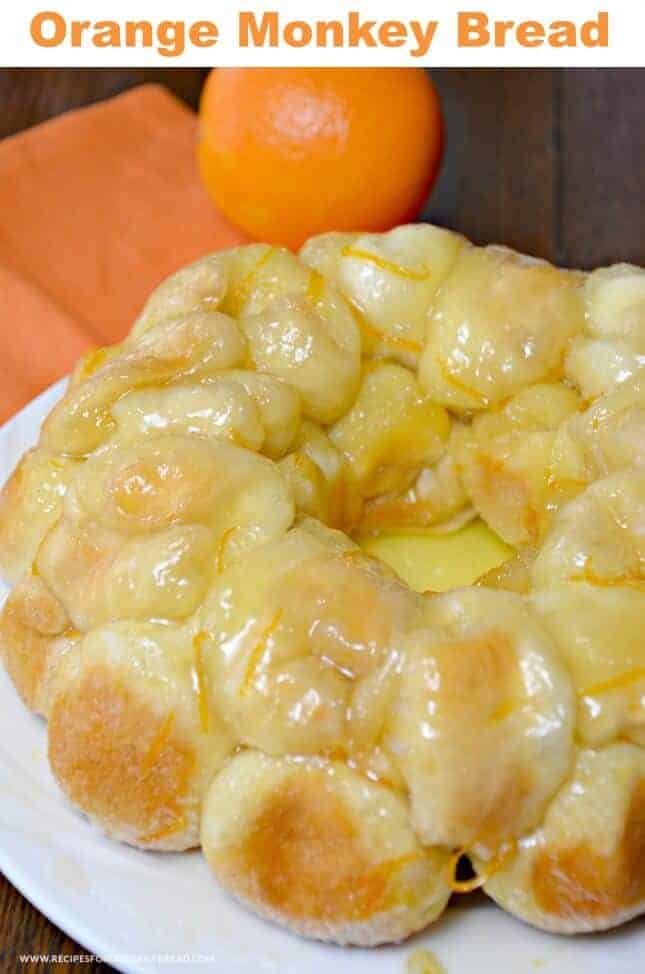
<point x="510" y="466"/>
<point x="321" y="849"/>
<point x="35" y="635"/>
<point x="483" y="726"/>
<point x="391" y="433"/>
<point x="30" y="505"/>
<point x="584" y="868"/>
<point x="391" y="280"/>
<point x="613" y="350"/>
<point x="133" y="737"/>
<point x="501" y="322"/>
<point x="293" y="635"/>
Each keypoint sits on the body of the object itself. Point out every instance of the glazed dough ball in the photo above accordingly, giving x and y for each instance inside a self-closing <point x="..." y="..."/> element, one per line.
<point x="590" y="591"/>
<point x="482" y="729"/>
<point x="146" y="527"/>
<point x="220" y="410"/>
<point x="102" y="576"/>
<point x="266" y="682"/>
<point x="317" y="354"/>
<point x="35" y="633"/>
<point x="200" y="286"/>
<point x="317" y="474"/>
<point x="615" y="304"/>
<point x="501" y="321"/>
<point x="599" y="632"/>
<point x="278" y="406"/>
<point x="166" y="480"/>
<point x="509" y="465"/>
<point x="321" y="850"/>
<point x="436" y="499"/>
<point x="610" y="434"/>
<point x="173" y="350"/>
<point x="615" y="313"/>
<point x="30" y="504"/>
<point x="391" y="279"/>
<point x="131" y="740"/>
<point x="598" y="366"/>
<point x="584" y="868"/>
<point x="324" y="252"/>
<point x="298" y="327"/>
<point x="291" y="634"/>
<point x="259" y="275"/>
<point x="250" y="410"/>
<point x="599" y="537"/>
<point x="391" y="432"/>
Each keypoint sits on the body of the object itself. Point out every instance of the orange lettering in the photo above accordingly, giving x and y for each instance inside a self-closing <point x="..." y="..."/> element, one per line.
<point x="472" y="29"/>
<point x="325" y="27"/>
<point x="134" y="27"/>
<point x="595" y="33"/>
<point x="392" y="33"/>
<point x="297" y="33"/>
<point x="80" y="26"/>
<point x="360" y="33"/>
<point x="563" y="34"/>
<point x="502" y="28"/>
<point x="203" y="33"/>
<point x="252" y="34"/>
<point x="171" y="35"/>
<point x="530" y="33"/>
<point x="57" y="22"/>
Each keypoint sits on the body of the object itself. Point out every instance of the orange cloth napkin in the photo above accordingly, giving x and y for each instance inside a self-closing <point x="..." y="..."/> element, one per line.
<point x="96" y="207"/>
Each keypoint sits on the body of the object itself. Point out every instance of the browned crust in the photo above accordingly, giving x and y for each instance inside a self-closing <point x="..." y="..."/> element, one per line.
<point x="578" y="883"/>
<point x="121" y="762"/>
<point x="30" y="621"/>
<point x="10" y="498"/>
<point x="302" y="859"/>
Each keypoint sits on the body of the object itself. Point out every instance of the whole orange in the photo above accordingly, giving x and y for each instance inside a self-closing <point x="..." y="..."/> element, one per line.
<point x="289" y="152"/>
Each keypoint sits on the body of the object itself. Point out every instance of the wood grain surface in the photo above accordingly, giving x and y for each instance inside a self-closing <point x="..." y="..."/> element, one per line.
<point x="549" y="161"/>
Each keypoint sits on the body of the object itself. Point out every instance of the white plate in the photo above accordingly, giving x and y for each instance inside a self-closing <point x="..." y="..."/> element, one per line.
<point x="131" y="907"/>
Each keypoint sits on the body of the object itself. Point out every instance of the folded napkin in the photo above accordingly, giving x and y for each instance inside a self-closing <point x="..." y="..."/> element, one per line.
<point x="96" y="207"/>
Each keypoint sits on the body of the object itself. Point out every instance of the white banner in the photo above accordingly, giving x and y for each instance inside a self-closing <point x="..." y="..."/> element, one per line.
<point x="469" y="33"/>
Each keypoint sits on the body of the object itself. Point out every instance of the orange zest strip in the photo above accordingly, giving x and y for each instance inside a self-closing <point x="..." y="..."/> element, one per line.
<point x="352" y="554"/>
<point x="502" y="711"/>
<point x="531" y="521"/>
<point x="158" y="742"/>
<point x="199" y="680"/>
<point x="374" y="334"/>
<point x="614" y="683"/>
<point x="386" y="265"/>
<point x="241" y="293"/>
<point x="257" y="653"/>
<point x="91" y="362"/>
<point x="563" y="483"/>
<point x="398" y="514"/>
<point x="623" y="581"/>
<point x="223" y="541"/>
<point x="165" y="830"/>
<point x="468" y="885"/>
<point x="452" y="380"/>
<point x="315" y="288"/>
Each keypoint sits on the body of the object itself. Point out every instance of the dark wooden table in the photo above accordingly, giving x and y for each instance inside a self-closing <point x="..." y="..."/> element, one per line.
<point x="549" y="161"/>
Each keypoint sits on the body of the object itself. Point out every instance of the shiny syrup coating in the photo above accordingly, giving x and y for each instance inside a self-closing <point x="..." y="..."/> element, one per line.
<point x="222" y="665"/>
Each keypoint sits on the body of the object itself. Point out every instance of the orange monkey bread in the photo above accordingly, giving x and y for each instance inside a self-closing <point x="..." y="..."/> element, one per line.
<point x="222" y="664"/>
